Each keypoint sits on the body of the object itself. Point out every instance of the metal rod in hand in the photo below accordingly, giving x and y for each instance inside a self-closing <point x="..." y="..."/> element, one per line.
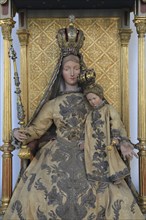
<point x="24" y="152"/>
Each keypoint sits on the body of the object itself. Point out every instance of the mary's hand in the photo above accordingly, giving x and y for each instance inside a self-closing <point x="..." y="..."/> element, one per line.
<point x="20" y="134"/>
<point x="127" y="150"/>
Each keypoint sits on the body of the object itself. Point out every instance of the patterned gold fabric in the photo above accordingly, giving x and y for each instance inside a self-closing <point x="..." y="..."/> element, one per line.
<point x="101" y="124"/>
<point x="55" y="184"/>
<point x="105" y="167"/>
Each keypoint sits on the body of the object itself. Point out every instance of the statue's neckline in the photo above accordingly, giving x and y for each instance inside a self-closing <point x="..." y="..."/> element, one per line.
<point x="71" y="91"/>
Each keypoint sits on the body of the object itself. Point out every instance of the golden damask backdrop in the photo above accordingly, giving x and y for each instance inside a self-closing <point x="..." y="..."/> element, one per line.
<point x="101" y="51"/>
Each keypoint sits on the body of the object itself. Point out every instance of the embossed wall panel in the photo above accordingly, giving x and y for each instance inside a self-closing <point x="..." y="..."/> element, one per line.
<point x="101" y="51"/>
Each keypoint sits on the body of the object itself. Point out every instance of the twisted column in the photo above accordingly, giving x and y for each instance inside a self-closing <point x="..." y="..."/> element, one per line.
<point x="7" y="25"/>
<point x="140" y="23"/>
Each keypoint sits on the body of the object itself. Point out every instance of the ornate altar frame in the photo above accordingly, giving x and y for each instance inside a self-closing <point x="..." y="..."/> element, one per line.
<point x="108" y="44"/>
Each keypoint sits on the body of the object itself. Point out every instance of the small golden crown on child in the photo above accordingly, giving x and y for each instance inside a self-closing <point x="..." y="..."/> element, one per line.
<point x="87" y="78"/>
<point x="70" y="39"/>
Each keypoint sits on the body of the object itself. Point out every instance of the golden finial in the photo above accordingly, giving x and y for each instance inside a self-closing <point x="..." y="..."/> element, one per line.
<point x="71" y="19"/>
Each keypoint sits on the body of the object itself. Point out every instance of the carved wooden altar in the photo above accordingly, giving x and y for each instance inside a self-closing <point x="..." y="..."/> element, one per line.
<point x="107" y="34"/>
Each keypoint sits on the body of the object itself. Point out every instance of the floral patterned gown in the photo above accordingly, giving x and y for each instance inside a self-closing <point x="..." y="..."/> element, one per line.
<point x="105" y="167"/>
<point x="55" y="186"/>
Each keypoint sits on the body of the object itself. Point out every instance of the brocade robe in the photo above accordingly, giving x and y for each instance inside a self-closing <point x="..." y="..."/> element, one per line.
<point x="55" y="184"/>
<point x="105" y="167"/>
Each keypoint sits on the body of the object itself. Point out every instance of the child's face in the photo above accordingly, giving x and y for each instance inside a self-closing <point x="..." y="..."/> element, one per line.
<point x="93" y="99"/>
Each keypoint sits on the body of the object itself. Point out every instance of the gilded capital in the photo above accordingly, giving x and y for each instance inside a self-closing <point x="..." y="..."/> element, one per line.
<point x="23" y="35"/>
<point x="125" y="35"/>
<point x="140" y="23"/>
<point x="7" y="24"/>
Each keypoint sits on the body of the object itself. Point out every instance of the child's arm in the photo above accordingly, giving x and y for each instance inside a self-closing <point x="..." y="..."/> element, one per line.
<point x="119" y="134"/>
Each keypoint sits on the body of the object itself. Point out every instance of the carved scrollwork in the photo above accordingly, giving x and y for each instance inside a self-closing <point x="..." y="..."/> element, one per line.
<point x="7" y="25"/>
<point x="140" y="24"/>
<point x="23" y="37"/>
<point x="125" y="35"/>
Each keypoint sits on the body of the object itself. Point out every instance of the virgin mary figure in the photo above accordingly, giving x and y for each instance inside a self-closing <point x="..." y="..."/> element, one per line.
<point x="55" y="185"/>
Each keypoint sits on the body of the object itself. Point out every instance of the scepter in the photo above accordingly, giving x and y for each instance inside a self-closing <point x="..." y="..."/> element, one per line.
<point x="24" y="152"/>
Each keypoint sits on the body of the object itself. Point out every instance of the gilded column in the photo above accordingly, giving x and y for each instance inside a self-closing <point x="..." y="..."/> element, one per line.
<point x="7" y="25"/>
<point x="140" y="23"/>
<point x="125" y="35"/>
<point x="23" y="35"/>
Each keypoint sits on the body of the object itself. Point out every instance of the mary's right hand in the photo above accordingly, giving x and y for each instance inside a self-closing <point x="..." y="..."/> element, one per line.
<point x="20" y="134"/>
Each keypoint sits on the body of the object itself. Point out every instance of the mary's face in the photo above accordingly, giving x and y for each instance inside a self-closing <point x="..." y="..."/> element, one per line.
<point x="71" y="70"/>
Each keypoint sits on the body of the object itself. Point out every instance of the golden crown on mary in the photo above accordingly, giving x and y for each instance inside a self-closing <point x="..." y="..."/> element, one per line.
<point x="70" y="39"/>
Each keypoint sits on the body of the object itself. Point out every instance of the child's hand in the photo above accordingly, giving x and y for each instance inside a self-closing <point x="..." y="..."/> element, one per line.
<point x="127" y="150"/>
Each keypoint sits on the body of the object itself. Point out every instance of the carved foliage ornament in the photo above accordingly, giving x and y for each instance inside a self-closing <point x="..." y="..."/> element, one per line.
<point x="7" y="25"/>
<point x="125" y="35"/>
<point x="140" y="26"/>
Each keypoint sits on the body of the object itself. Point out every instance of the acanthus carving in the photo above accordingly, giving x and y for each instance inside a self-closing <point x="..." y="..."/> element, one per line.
<point x="125" y="35"/>
<point x="140" y="24"/>
<point x="7" y="25"/>
<point x="23" y="35"/>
